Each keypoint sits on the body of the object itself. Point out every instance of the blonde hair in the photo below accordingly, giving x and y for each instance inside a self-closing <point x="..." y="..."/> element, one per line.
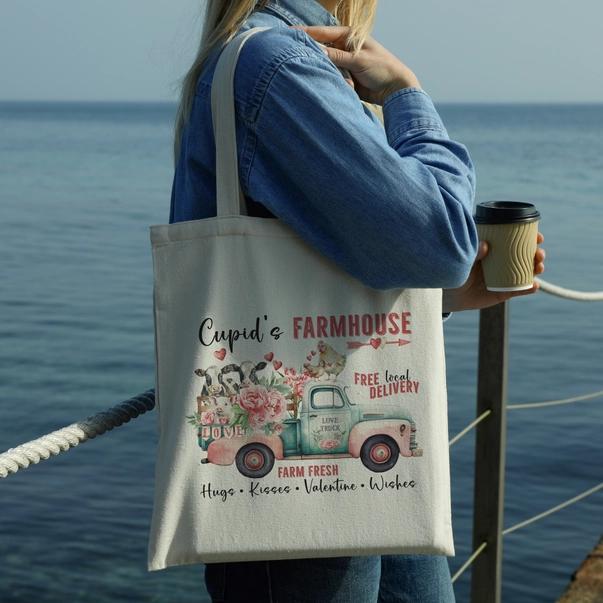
<point x="223" y="18"/>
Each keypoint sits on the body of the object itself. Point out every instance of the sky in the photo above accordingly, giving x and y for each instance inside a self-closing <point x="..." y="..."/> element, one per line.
<point x="461" y="50"/>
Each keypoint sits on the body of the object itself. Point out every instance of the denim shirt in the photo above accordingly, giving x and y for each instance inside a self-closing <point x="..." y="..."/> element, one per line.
<point x="391" y="206"/>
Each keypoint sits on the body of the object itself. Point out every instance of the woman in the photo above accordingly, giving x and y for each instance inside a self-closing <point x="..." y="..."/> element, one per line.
<point x="390" y="202"/>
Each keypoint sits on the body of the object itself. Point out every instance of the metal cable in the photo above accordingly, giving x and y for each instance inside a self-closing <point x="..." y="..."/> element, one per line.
<point x="556" y="402"/>
<point x="571" y="501"/>
<point x="469" y="561"/>
<point x="63" y="439"/>
<point x="471" y="425"/>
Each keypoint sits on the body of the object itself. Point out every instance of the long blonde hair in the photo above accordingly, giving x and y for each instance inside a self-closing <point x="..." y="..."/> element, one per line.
<point x="223" y="18"/>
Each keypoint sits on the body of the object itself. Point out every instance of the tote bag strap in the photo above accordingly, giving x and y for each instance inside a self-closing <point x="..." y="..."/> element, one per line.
<point x="230" y="200"/>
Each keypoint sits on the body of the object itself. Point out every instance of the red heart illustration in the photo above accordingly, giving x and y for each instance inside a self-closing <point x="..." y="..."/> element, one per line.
<point x="277" y="364"/>
<point x="269" y="356"/>
<point x="313" y="352"/>
<point x="219" y="354"/>
<point x="376" y="342"/>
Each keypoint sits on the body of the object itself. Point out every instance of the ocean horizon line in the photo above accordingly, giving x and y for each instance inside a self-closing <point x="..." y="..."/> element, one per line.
<point x="172" y="103"/>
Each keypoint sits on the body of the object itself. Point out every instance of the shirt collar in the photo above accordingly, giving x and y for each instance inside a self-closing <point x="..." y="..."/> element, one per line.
<point x="302" y="12"/>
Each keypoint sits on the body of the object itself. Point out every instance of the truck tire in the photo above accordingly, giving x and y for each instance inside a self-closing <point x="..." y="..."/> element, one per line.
<point x="379" y="453"/>
<point x="255" y="460"/>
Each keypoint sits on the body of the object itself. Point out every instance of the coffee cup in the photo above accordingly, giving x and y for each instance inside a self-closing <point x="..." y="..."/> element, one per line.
<point x="511" y="230"/>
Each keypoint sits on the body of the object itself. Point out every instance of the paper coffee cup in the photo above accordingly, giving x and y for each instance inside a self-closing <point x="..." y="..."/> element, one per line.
<point x="511" y="229"/>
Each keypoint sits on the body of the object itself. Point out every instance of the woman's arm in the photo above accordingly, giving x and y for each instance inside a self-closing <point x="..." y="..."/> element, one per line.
<point x="392" y="207"/>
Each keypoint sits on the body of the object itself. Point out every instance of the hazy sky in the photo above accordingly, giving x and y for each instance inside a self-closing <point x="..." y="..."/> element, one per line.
<point x="463" y="50"/>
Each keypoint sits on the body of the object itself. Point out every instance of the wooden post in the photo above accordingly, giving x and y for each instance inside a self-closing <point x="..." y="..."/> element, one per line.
<point x="489" y="488"/>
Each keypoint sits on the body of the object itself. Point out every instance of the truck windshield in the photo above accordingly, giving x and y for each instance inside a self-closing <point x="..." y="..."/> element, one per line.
<point x="347" y="397"/>
<point x="326" y="397"/>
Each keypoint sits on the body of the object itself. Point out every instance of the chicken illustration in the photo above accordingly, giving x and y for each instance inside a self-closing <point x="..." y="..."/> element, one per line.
<point x="315" y="371"/>
<point x="330" y="362"/>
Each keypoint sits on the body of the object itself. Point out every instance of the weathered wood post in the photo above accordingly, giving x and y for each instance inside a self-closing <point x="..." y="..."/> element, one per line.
<point x="489" y="487"/>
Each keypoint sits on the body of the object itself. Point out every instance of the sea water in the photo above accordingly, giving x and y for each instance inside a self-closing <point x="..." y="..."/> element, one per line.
<point x="79" y="186"/>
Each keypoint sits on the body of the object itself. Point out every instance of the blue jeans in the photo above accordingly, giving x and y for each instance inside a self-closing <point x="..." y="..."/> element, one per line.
<point x="374" y="579"/>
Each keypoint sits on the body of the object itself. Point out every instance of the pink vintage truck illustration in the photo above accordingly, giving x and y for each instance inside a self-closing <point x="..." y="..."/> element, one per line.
<point x="307" y="418"/>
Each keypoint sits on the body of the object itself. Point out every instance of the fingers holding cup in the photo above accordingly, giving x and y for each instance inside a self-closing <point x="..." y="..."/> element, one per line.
<point x="539" y="261"/>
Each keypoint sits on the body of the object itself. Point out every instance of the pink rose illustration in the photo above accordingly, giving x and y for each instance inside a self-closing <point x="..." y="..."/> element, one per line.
<point x="328" y="444"/>
<point x="207" y="417"/>
<point x="252" y="398"/>
<point x="263" y="406"/>
<point x="275" y="404"/>
<point x="257" y="419"/>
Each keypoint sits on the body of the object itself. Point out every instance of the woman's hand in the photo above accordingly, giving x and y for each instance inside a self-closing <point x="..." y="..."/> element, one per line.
<point x="375" y="71"/>
<point x="473" y="295"/>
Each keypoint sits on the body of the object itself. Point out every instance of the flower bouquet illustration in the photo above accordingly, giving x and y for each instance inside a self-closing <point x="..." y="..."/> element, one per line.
<point x="249" y="397"/>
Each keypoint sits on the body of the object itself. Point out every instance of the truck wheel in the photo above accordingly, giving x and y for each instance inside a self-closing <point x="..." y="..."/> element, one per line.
<point x="379" y="453"/>
<point x="255" y="460"/>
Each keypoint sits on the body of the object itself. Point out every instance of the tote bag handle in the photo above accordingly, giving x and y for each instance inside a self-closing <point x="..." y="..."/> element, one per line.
<point x="230" y="200"/>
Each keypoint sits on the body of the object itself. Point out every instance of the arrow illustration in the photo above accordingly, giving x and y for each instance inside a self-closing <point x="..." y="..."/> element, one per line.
<point x="354" y="345"/>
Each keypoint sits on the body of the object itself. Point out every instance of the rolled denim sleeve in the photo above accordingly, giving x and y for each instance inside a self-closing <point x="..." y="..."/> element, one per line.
<point x="410" y="109"/>
<point x="392" y="207"/>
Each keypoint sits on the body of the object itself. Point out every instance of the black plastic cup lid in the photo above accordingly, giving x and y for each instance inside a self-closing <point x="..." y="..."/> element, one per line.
<point x="505" y="212"/>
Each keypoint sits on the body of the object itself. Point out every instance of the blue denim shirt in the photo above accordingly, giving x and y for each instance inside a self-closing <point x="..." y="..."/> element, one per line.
<point x="392" y="207"/>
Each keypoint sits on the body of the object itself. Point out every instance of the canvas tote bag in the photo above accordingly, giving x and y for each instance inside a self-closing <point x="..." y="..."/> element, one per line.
<point x="300" y="412"/>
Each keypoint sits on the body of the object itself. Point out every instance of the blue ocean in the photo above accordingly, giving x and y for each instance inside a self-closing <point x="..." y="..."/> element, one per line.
<point x="79" y="186"/>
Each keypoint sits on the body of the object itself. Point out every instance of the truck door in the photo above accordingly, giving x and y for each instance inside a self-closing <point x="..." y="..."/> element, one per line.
<point x="328" y="426"/>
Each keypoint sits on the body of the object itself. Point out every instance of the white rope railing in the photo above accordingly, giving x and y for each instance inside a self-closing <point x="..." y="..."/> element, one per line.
<point x="582" y="398"/>
<point x="569" y="293"/>
<point x="554" y="509"/>
<point x="63" y="439"/>
<point x="469" y="561"/>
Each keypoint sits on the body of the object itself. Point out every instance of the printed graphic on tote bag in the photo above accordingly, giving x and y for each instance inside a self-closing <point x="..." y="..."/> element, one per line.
<point x="256" y="412"/>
